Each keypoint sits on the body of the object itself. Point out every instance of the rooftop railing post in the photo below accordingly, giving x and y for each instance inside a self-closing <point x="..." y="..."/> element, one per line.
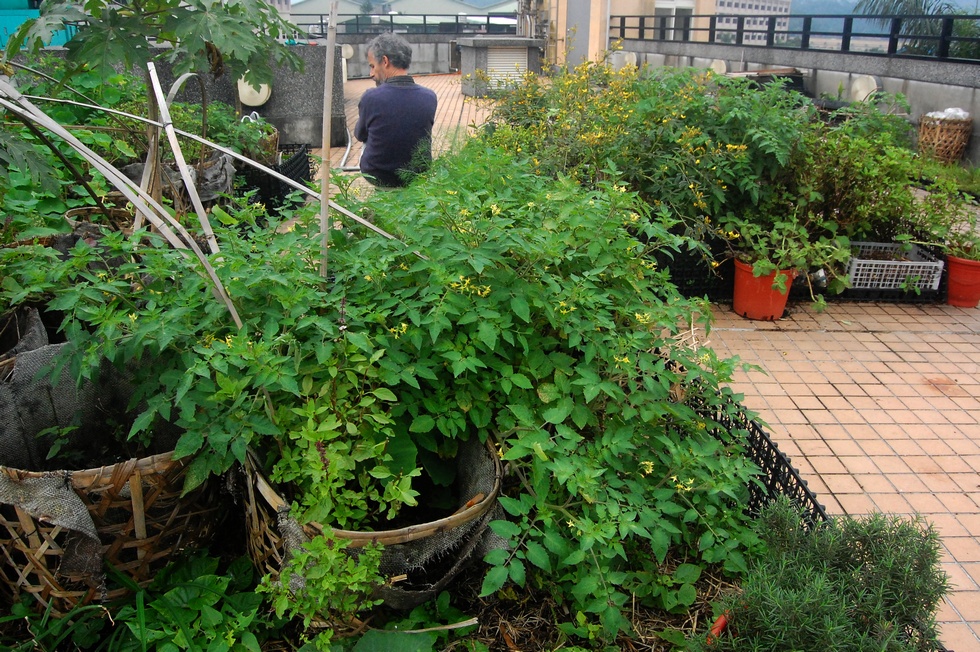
<point x="642" y="27"/>
<point x="945" y="36"/>
<point x="805" y="36"/>
<point x="845" y="40"/>
<point x="893" y="35"/>
<point x="740" y="30"/>
<point x="770" y="31"/>
<point x="712" y="28"/>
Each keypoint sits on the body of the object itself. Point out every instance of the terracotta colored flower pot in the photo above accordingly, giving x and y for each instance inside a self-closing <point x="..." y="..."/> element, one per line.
<point x="964" y="282"/>
<point x="755" y="297"/>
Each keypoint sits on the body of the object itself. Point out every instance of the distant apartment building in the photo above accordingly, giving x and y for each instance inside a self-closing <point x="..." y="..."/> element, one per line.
<point x="754" y="16"/>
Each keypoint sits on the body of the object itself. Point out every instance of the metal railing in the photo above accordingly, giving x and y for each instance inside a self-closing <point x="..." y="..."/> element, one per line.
<point x="945" y="38"/>
<point x="493" y="23"/>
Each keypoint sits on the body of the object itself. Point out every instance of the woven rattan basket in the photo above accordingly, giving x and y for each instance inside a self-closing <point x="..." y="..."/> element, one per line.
<point x="267" y="546"/>
<point x="944" y="139"/>
<point x="139" y="515"/>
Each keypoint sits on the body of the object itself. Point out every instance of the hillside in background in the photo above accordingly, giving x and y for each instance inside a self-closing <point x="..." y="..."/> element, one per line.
<point x="831" y="8"/>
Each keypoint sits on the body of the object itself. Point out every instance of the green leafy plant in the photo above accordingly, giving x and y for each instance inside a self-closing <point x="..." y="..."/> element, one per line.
<point x="193" y="606"/>
<point x="239" y="39"/>
<point x="870" y="583"/>
<point x="326" y="577"/>
<point x="945" y="219"/>
<point x="510" y="306"/>
<point x="195" y="603"/>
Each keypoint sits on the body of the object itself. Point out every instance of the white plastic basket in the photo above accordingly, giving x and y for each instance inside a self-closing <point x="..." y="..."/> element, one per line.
<point x="885" y="266"/>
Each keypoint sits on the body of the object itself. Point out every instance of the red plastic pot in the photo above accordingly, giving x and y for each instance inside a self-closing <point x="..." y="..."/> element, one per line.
<point x="755" y="297"/>
<point x="964" y="282"/>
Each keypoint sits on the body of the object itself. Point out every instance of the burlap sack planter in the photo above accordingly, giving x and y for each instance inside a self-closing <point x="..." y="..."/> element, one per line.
<point x="421" y="559"/>
<point x="61" y="530"/>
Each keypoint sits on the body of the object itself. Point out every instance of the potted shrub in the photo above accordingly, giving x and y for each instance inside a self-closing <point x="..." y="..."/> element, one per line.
<point x="854" y="583"/>
<point x="771" y="247"/>
<point x="950" y="222"/>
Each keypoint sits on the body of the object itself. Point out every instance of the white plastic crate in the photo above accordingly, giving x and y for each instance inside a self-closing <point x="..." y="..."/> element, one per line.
<point x="885" y="266"/>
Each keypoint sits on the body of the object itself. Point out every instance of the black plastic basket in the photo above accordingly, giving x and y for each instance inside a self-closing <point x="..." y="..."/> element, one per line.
<point x="295" y="163"/>
<point x="695" y="276"/>
<point x="777" y="476"/>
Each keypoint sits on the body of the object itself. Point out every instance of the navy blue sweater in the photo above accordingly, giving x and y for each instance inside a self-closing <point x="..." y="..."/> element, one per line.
<point x="395" y="124"/>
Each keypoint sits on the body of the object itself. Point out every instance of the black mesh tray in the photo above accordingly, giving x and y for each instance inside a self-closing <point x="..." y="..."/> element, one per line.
<point x="296" y="164"/>
<point x="778" y="477"/>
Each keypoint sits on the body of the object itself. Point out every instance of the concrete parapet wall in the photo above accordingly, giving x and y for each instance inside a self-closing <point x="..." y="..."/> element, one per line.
<point x="431" y="53"/>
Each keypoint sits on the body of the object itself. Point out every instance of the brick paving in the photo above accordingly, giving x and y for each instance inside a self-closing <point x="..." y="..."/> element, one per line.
<point x="877" y="404"/>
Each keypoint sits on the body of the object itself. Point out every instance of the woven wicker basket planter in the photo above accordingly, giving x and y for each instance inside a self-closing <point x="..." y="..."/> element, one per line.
<point x="944" y="139"/>
<point x="459" y="535"/>
<point x="140" y="518"/>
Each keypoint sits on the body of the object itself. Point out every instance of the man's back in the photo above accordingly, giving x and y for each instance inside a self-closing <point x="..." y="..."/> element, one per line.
<point x="395" y="123"/>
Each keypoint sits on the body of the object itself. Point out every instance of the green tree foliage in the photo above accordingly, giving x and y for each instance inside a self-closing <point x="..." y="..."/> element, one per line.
<point x="922" y="26"/>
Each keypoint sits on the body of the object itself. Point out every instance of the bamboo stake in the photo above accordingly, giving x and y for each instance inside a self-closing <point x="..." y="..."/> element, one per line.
<point x="238" y="157"/>
<point x="327" y="124"/>
<point x="185" y="174"/>
<point x="158" y="216"/>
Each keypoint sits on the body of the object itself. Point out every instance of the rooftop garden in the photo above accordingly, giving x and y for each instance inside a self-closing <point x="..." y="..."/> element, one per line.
<point x="487" y="423"/>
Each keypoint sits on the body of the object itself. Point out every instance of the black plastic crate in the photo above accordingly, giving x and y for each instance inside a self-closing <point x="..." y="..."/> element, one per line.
<point x="695" y="276"/>
<point x="778" y="477"/>
<point x="296" y="163"/>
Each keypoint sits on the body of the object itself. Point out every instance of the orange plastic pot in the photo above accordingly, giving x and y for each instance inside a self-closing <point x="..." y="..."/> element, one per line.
<point x="755" y="297"/>
<point x="964" y="282"/>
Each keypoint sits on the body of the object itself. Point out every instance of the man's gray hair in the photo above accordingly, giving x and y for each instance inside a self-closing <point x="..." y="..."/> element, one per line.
<point x="397" y="49"/>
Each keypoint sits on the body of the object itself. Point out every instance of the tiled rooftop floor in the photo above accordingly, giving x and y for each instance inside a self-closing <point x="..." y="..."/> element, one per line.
<point x="877" y="404"/>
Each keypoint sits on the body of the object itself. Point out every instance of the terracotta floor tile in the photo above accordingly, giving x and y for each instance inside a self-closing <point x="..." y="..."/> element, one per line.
<point x="935" y="447"/>
<point x="875" y="447"/>
<point x="959" y="637"/>
<point x="949" y="526"/>
<point x="921" y="463"/>
<point x="959" y="578"/>
<point x="973" y="570"/>
<point x="842" y="483"/>
<point x="862" y="432"/>
<point x="826" y="465"/>
<point x="857" y="464"/>
<point x="926" y="503"/>
<point x="890" y="402"/>
<point x="940" y="483"/>
<point x="966" y="604"/>
<point x="889" y="465"/>
<point x="957" y="503"/>
<point x="973" y="461"/>
<point x="947" y="615"/>
<point x="907" y="483"/>
<point x="968" y="482"/>
<point x="971" y="522"/>
<point x="952" y="463"/>
<point x="965" y="549"/>
<point x="856" y="504"/>
<point x="892" y="504"/>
